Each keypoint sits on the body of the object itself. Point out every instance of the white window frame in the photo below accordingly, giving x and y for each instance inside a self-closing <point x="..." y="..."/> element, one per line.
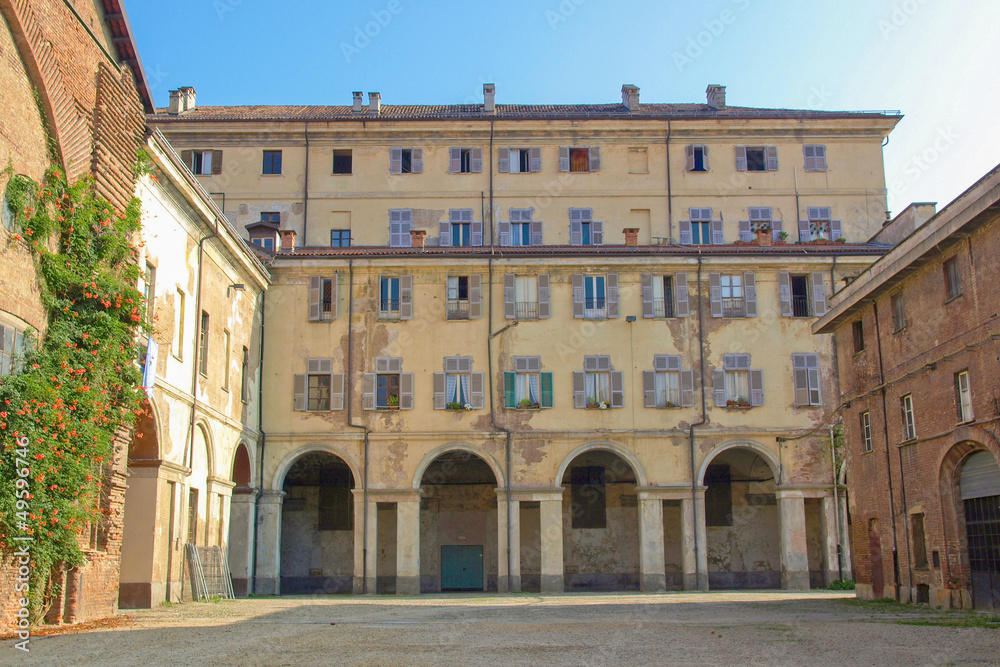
<point x="963" y="396"/>
<point x="11" y="348"/>
<point x="599" y="309"/>
<point x="201" y="162"/>
<point x="909" y="422"/>
<point x="866" y="432"/>
<point x="177" y="344"/>
<point x="814" y="156"/>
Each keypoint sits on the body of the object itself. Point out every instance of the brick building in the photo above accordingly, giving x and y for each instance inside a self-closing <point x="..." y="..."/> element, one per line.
<point x="918" y="342"/>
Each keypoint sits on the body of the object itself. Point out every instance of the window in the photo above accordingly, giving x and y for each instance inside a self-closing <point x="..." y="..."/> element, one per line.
<point x="458" y="298"/>
<point x="319" y="389"/>
<point x="521" y="227"/>
<point x="322" y="299"/>
<point x="738" y="385"/>
<point x="858" y="333"/>
<point x="273" y="217"/>
<point x="664" y="296"/>
<point x="272" y="162"/>
<point x="245" y="376"/>
<point x="527" y="388"/>
<point x="756" y="158"/>
<point x="203" y="345"/>
<point x="6" y="215"/>
<point x="400" y="224"/>
<point x="963" y="396"/>
<point x="667" y="385"/>
<point x="406" y="160"/>
<point x="598" y="386"/>
<point x="266" y="242"/>
<point x="819" y="225"/>
<point x="203" y="163"/>
<point x="731" y="293"/>
<point x="342" y="161"/>
<point x="192" y="533"/>
<point x="149" y="290"/>
<point x="519" y="160"/>
<point x="458" y="388"/>
<point x="526" y="297"/>
<point x="898" y="311"/>
<point x="177" y="343"/>
<point x="595" y="297"/>
<point x="226" y="339"/>
<point x="906" y="408"/>
<point x="815" y="157"/>
<point x="919" y="541"/>
<point x="583" y="229"/>
<point x="588" y="497"/>
<point x="700" y="229"/>
<point x="340" y="238"/>
<point x="11" y="349"/>
<point x="580" y="159"/>
<point x="388" y="388"/>
<point x="697" y="157"/>
<point x="389" y="298"/>
<point x="805" y="369"/>
<point x="952" y="284"/>
<point x="595" y="302"/>
<point x="802" y="295"/>
<point x="761" y="220"/>
<point x="866" y="432"/>
<point x="466" y="160"/>
<point x="718" y="496"/>
<point x="460" y="230"/>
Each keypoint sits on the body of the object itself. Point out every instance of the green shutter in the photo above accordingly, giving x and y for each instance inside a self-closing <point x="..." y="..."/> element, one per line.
<point x="508" y="390"/>
<point x="546" y="390"/>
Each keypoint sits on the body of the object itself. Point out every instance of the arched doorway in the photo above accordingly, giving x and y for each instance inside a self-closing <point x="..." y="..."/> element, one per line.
<point x="741" y="520"/>
<point x="600" y="523"/>
<point x="979" y="488"/>
<point x="146" y="553"/>
<point x="317" y="526"/>
<point x="241" y="515"/>
<point x="458" y="524"/>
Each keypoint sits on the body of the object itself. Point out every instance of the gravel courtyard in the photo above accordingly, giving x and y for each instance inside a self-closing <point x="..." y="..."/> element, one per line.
<point x="765" y="628"/>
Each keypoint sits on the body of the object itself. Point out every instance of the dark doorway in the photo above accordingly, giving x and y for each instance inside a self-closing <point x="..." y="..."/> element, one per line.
<point x="875" y="558"/>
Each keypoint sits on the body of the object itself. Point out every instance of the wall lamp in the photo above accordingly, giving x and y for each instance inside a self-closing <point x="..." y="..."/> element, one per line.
<point x="238" y="287"/>
<point x="630" y="318"/>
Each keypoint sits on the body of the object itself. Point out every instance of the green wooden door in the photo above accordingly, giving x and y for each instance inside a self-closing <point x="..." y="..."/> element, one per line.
<point x="461" y="568"/>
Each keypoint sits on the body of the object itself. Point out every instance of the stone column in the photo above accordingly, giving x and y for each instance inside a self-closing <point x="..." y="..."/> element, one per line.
<point x="652" y="571"/>
<point x="241" y="546"/>
<point x="371" y="547"/>
<point x="408" y="546"/>
<point x="358" y="582"/>
<point x="515" y="545"/>
<point x="829" y="534"/>
<point x="792" y="525"/>
<point x="845" y="538"/>
<point x="268" y="581"/>
<point x="552" y="544"/>
<point x="701" y="534"/>
<point x="503" y="578"/>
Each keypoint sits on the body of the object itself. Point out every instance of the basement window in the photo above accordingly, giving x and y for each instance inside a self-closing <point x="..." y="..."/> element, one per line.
<point x="342" y="161"/>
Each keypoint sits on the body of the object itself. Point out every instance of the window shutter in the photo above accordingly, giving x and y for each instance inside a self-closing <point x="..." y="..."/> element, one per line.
<point x="812" y="368"/>
<point x="477" y="383"/>
<point x="681" y="308"/>
<point x="439" y="385"/>
<point x="336" y="391"/>
<point x="719" y="384"/>
<point x="804" y="233"/>
<point x="564" y="158"/>
<point x="684" y="227"/>
<point x="406" y="391"/>
<point x="785" y="293"/>
<point x="503" y="160"/>
<point x="417" y="160"/>
<point x="396" y="160"/>
<point x="612" y="295"/>
<point x="836" y="230"/>
<point x="509" y="296"/>
<point x="477" y="233"/>
<point x="741" y="162"/>
<point x="536" y="232"/>
<point x="456" y="160"/>
<point x="595" y="158"/>
<point x="504" y="233"/>
<point x="715" y="294"/>
<point x="687" y="389"/>
<point x="579" y="389"/>
<point x="818" y="294"/>
<point x="776" y="229"/>
<point x="729" y="362"/>
<point x="475" y="296"/>
<point x="772" y="158"/>
<point x="597" y="232"/>
<point x="299" y="402"/>
<point x="618" y="389"/>
<point x="649" y="389"/>
<point x="476" y="160"/>
<point x="756" y="387"/>
<point x="800" y="377"/>
<point x="444" y="233"/>
<point x="406" y="297"/>
<point x="575" y="231"/>
<point x="509" y="380"/>
<point x="368" y="391"/>
<point x="578" y="295"/>
<point x="821" y="158"/>
<point x="315" y="284"/>
<point x="673" y="362"/>
<point x="543" y="296"/>
<point x="704" y="157"/>
<point x="750" y="294"/>
<point x="745" y="234"/>
<point x="535" y="159"/>
<point x="334" y="297"/>
<point x="216" y="162"/>
<point x="546" y="387"/>
<point x="187" y="157"/>
<point x="717" y="236"/>
<point x="742" y="361"/>
<point x="660" y="362"/>
<point x="453" y="365"/>
<point x="689" y="157"/>
<point x="646" y="287"/>
<point x="809" y="158"/>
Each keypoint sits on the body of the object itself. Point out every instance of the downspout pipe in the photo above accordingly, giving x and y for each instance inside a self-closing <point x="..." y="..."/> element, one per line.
<point x="888" y="457"/>
<point x="351" y="424"/>
<point x="836" y="503"/>
<point x="701" y="422"/>
<point x="670" y="199"/>
<point x="261" y="440"/>
<point x="305" y="195"/>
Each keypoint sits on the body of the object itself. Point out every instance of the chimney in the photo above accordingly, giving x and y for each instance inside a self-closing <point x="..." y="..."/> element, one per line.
<point x="630" y="97"/>
<point x="357" y="101"/>
<point x="374" y="103"/>
<point x="632" y="236"/>
<point x="716" y="96"/>
<point x="175" y="103"/>
<point x="287" y="240"/>
<point x="489" y="98"/>
<point x="417" y="238"/>
<point x="187" y="98"/>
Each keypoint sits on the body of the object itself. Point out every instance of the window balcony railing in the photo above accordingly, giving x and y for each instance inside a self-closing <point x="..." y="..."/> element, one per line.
<point x="458" y="309"/>
<point x="664" y="308"/>
<point x="595" y="309"/>
<point x="800" y="306"/>
<point x="388" y="309"/>
<point x="733" y="307"/>
<point x="526" y="310"/>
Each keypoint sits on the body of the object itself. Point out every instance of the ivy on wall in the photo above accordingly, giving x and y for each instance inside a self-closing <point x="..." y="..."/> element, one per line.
<point x="80" y="382"/>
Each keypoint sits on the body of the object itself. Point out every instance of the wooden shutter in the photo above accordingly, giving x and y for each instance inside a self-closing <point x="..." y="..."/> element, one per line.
<point x="315" y="296"/>
<point x="649" y="389"/>
<point x="509" y="296"/>
<point x="545" y="380"/>
<point x="611" y="296"/>
<point x="809" y="156"/>
<point x="503" y="160"/>
<point x="681" y="308"/>
<point x="543" y="296"/>
<point x="575" y="226"/>
<point x="456" y="160"/>
<point x="745" y="234"/>
<point x="406" y="391"/>
<point x="820" y="157"/>
<point x="687" y="388"/>
<point x="750" y="294"/>
<point x="595" y="158"/>
<point x="717" y="237"/>
<point x="477" y="383"/>
<point x="187" y="157"/>
<point x="416" y="160"/>
<point x="476" y="160"/>
<point x="578" y="295"/>
<point x="406" y="297"/>
<point x="771" y="158"/>
<point x="475" y="296"/>
<point x="476" y="236"/>
<point x="336" y="391"/>
<point x="704" y="158"/>
<point x="509" y="380"/>
<point x="719" y="385"/>
<point x="684" y="228"/>
<point x="756" y="387"/>
<point x="579" y="389"/>
<point x="444" y="232"/>
<point x="597" y="232"/>
<point x="776" y="229"/>
<point x="715" y="293"/>
<point x="818" y="294"/>
<point x="396" y="160"/>
<point x="368" y="391"/>
<point x="299" y="399"/>
<point x="836" y="230"/>
<point x="617" y="389"/>
<point x="689" y="157"/>
<point x="812" y="370"/>
<point x="439" y="388"/>
<point x="800" y="377"/>
<point x="659" y="362"/>
<point x="646" y="288"/>
<point x="504" y="232"/>
<point x="536" y="232"/>
<point x="216" y="162"/>
<point x="741" y="160"/>
<point x="804" y="233"/>
<point x="785" y="293"/>
<point x="564" y="158"/>
<point x="535" y="159"/>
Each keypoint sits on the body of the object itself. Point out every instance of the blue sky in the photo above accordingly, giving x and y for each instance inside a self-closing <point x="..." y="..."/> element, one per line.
<point x="935" y="61"/>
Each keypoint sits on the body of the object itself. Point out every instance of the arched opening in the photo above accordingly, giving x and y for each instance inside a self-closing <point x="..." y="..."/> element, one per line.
<point x="241" y="473"/>
<point x="458" y="525"/>
<point x="146" y="558"/>
<point x="741" y="520"/>
<point x="198" y="505"/>
<point x="600" y="523"/>
<point x="979" y="491"/>
<point x="317" y="526"/>
<point x="240" y="540"/>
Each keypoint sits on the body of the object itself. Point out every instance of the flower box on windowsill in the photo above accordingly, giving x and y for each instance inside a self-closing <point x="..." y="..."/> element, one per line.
<point x="739" y="404"/>
<point x="458" y="406"/>
<point x="668" y="405"/>
<point x="527" y="405"/>
<point x="599" y="405"/>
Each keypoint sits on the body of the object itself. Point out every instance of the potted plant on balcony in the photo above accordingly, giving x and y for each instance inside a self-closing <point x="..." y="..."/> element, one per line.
<point x="458" y="406"/>
<point x="738" y="402"/>
<point x="782" y="238"/>
<point x="669" y="404"/>
<point x="527" y="404"/>
<point x="392" y="401"/>
<point x="593" y="403"/>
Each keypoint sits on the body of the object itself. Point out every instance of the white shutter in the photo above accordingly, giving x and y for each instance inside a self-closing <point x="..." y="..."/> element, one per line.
<point x="504" y="232"/>
<point x="750" y="294"/>
<point x="315" y="289"/>
<point x="646" y="289"/>
<point x="612" y="295"/>
<point x="649" y="389"/>
<point x="395" y="160"/>
<point x="804" y="233"/>
<point x="476" y="235"/>
<point x="818" y="294"/>
<point x="617" y="389"/>
<point x="597" y="232"/>
<point x="439" y="389"/>
<point x="741" y="160"/>
<point x="416" y="160"/>
<point x="543" y="296"/>
<point x="579" y="389"/>
<point x="745" y="234"/>
<point x="715" y="293"/>
<point x="535" y="159"/>
<point x="595" y="158"/>
<point x="578" y="295"/>
<point x="575" y="231"/>
<point x="564" y="158"/>
<point x="772" y="158"/>
<point x="719" y="385"/>
<point x="509" y="296"/>
<point x="756" y="387"/>
<point x="785" y="293"/>
<point x="476" y="160"/>
<point x="444" y="232"/>
<point x="684" y="229"/>
<point x="717" y="236"/>
<point x="406" y="391"/>
<point x="478" y="382"/>
<point x="536" y="232"/>
<point x="475" y="296"/>
<point x="368" y="391"/>
<point x="503" y="160"/>
<point x="836" y="230"/>
<point x="406" y="297"/>
<point x="687" y="388"/>
<point x="299" y="393"/>
<point x="776" y="229"/>
<point x="336" y="391"/>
